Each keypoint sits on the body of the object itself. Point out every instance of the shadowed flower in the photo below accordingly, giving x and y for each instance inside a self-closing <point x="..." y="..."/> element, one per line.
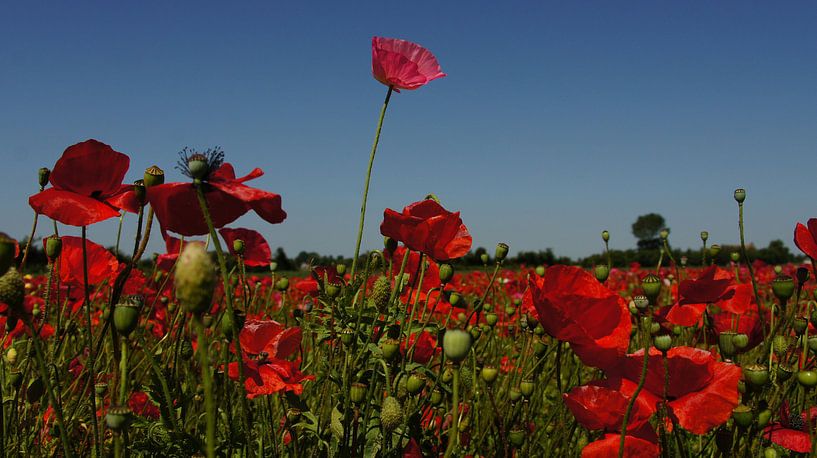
<point x="712" y="286"/>
<point x="256" y="250"/>
<point x="609" y="445"/>
<point x="791" y="432"/>
<point x="86" y="186"/>
<point x="402" y="64"/>
<point x="427" y="227"/>
<point x="806" y="238"/>
<point x="102" y="265"/>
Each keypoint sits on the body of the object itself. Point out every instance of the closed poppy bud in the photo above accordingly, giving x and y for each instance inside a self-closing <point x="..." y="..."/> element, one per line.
<point x="43" y="175"/>
<point x="489" y="374"/>
<point x="282" y="284"/>
<point x="454" y="298"/>
<point x="53" y="247"/>
<point x="446" y="273"/>
<point x="663" y="342"/>
<point x="740" y="341"/>
<point x="740" y="195"/>
<point x="7" y="252"/>
<point x="734" y="256"/>
<point x="743" y="415"/>
<point x="341" y="268"/>
<point x="807" y="379"/>
<point x="126" y="315"/>
<point x="704" y="235"/>
<point x="154" y="176"/>
<point x="415" y="384"/>
<point x="380" y="293"/>
<point x="501" y="251"/>
<point x="491" y="318"/>
<point x="783" y="287"/>
<point x="605" y="236"/>
<point x="714" y="250"/>
<point x="652" y="286"/>
<point x="601" y="272"/>
<point x="802" y="275"/>
<point x="357" y="392"/>
<point x="539" y="348"/>
<point x="195" y="278"/>
<point x="238" y="246"/>
<point x="456" y="344"/>
<point x="484" y="258"/>
<point x="763" y="417"/>
<point x="756" y="374"/>
<point x="273" y="266"/>
<point x="526" y="388"/>
<point x="540" y="271"/>
<point x="389" y="244"/>
<point x="475" y="332"/>
<point x="12" y="289"/>
<point x="118" y="418"/>
<point x="11" y="356"/>
<point x="391" y="414"/>
<point x="436" y="397"/>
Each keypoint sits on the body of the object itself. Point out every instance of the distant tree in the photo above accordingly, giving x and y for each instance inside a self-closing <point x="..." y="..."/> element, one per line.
<point x="282" y="260"/>
<point x="646" y="229"/>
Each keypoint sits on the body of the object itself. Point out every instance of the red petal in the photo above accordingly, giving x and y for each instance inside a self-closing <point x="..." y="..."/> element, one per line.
<point x="805" y="239"/>
<point x="256" y="250"/>
<point x="266" y="204"/>
<point x="177" y="208"/>
<point x="90" y="168"/>
<point x="791" y="439"/>
<point x="609" y="446"/>
<point x="686" y="315"/>
<point x="701" y="411"/>
<point x="71" y="208"/>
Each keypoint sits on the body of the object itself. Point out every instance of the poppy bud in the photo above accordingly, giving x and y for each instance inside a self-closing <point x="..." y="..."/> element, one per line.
<point x="740" y="195"/>
<point x="743" y="415"/>
<point x="7" y="249"/>
<point x="357" y="392"/>
<point x="436" y="397"/>
<point x="501" y="251"/>
<point x="491" y="318"/>
<point x="12" y="289"/>
<point x="126" y="315"/>
<point x="602" y="272"/>
<point x="763" y="417"/>
<point x="780" y="345"/>
<point x="341" y="268"/>
<point x="663" y="343"/>
<point x="391" y="414"/>
<point x="282" y="284"/>
<point x="526" y="387"/>
<point x="273" y="266"/>
<point x="195" y="278"/>
<point x="704" y="235"/>
<point x="783" y="287"/>
<point x="540" y="271"/>
<point x="154" y="176"/>
<point x="456" y="344"/>
<point x="389" y="244"/>
<point x="238" y="246"/>
<point x="389" y="347"/>
<point x="757" y="375"/>
<point x="734" y="256"/>
<point x="415" y="383"/>
<point x="539" y="348"/>
<point x="807" y="379"/>
<point x="381" y="291"/>
<point x="53" y="247"/>
<point x="802" y="275"/>
<point x="726" y="344"/>
<point x="43" y="175"/>
<point x="484" y="258"/>
<point x="517" y="437"/>
<point x="714" y="250"/>
<point x="664" y="234"/>
<point x="454" y="298"/>
<point x="652" y="286"/>
<point x="740" y="341"/>
<point x="446" y="273"/>
<point x="11" y="356"/>
<point x="489" y="374"/>
<point x="605" y="236"/>
<point x="118" y="418"/>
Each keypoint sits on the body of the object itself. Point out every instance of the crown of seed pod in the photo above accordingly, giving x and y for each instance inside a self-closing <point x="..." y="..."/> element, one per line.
<point x="195" y="278"/>
<point x="118" y="417"/>
<point x="154" y="176"/>
<point x="740" y="195"/>
<point x="783" y="287"/>
<point x="357" y="392"/>
<point x="651" y="284"/>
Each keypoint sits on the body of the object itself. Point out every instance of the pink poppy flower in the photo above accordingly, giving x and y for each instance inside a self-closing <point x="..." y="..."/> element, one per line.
<point x="402" y="64"/>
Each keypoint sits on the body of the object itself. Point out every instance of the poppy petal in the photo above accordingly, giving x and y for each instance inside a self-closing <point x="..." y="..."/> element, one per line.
<point x="71" y="208"/>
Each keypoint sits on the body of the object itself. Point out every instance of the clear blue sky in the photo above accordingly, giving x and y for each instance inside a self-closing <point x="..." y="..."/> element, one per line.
<point x="557" y="119"/>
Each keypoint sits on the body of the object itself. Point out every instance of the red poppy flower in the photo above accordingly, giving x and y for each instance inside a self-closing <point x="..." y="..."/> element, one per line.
<point x="609" y="446"/>
<point x="712" y="286"/>
<point x="141" y="405"/>
<point x="173" y="248"/>
<point x="256" y="250"/>
<point x="177" y="207"/>
<point x="102" y="265"/>
<point x="598" y="407"/>
<point x="424" y="350"/>
<point x="427" y="227"/>
<point x="791" y="432"/>
<point x="431" y="278"/>
<point x="702" y="391"/>
<point x="573" y="306"/>
<point x="86" y="185"/>
<point x="806" y="238"/>
<point x="402" y="64"/>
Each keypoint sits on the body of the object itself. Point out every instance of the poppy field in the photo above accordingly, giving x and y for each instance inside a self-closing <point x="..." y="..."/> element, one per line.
<point x="208" y="349"/>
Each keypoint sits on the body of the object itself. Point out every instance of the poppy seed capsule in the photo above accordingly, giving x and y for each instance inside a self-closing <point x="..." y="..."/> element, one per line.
<point x="118" y="418"/>
<point x="357" y="392"/>
<point x="7" y="249"/>
<point x="415" y="384"/>
<point x="663" y="343"/>
<point x="446" y="273"/>
<point x="741" y="341"/>
<point x="238" y="246"/>
<point x="489" y="374"/>
<point x="11" y="356"/>
<point x="526" y="388"/>
<point x="740" y="195"/>
<point x="389" y="347"/>
<point x="641" y="302"/>
<point x="652" y="286"/>
<point x="282" y="284"/>
<point x="664" y="234"/>
<point x="726" y="344"/>
<point x="605" y="236"/>
<point x="126" y="316"/>
<point x="341" y="268"/>
<point x="456" y="344"/>
<point x="540" y="271"/>
<point x="517" y="437"/>
<point x="763" y="417"/>
<point x="501" y="251"/>
<point x="704" y="236"/>
<point x="198" y="166"/>
<point x="602" y="272"/>
<point x="756" y="374"/>
<point x="484" y="258"/>
<point x="53" y="247"/>
<point x="714" y="250"/>
<point x="783" y="287"/>
<point x="807" y="379"/>
<point x="43" y="175"/>
<point x="784" y="373"/>
<point x="153" y="176"/>
<point x="743" y="415"/>
<point x="195" y="278"/>
<point x="140" y="192"/>
<point x="800" y="324"/>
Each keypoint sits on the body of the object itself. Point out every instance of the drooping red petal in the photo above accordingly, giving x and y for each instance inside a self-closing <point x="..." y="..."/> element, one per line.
<point x="740" y="301"/>
<point x="71" y="208"/>
<point x="90" y="168"/>
<point x="598" y="407"/>
<point x="686" y="315"/>
<point x="257" y="334"/>
<point x="805" y="239"/>
<point x="125" y="198"/>
<point x="177" y="208"/>
<point x="706" y="288"/>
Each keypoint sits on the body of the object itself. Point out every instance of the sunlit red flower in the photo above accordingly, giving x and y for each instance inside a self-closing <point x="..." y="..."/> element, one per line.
<point x="573" y="306"/>
<point x="177" y="207"/>
<point x="402" y="64"/>
<point x="256" y="250"/>
<point x="86" y="185"/>
<point x="806" y="238"/>
<point x="427" y="227"/>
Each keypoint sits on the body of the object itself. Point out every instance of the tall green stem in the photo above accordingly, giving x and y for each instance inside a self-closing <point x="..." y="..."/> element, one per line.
<point x="90" y="342"/>
<point x="751" y="269"/>
<point x="368" y="178"/>
<point x="638" y="389"/>
<point x="207" y="381"/>
<point x="453" y="431"/>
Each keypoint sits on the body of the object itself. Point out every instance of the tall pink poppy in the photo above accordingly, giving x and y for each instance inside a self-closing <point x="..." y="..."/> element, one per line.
<point x="402" y="64"/>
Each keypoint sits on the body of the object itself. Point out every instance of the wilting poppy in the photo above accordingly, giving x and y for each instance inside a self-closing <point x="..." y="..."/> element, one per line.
<point x="256" y="250"/>
<point x="574" y="307"/>
<point x="402" y="64"/>
<point x="86" y="185"/>
<point x="177" y="206"/>
<point x="427" y="227"/>
<point x="806" y="238"/>
<point x="702" y="391"/>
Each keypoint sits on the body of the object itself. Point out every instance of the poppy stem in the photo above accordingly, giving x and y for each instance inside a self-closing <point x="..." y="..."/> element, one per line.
<point x="30" y="239"/>
<point x="751" y="269"/>
<point x="91" y="367"/>
<point x="368" y="178"/>
<point x="641" y="381"/>
<point x="207" y="382"/>
<point x="453" y="430"/>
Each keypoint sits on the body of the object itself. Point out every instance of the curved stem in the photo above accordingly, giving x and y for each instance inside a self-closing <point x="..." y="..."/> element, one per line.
<point x="368" y="178"/>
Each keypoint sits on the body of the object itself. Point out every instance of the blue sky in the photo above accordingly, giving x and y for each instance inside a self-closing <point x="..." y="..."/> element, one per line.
<point x="557" y="119"/>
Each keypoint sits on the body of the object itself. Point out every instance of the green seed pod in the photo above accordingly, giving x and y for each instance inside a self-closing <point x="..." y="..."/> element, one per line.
<point x="357" y="392"/>
<point x="800" y="324"/>
<point x="153" y="176"/>
<point x="238" y="247"/>
<point x="763" y="418"/>
<point x="101" y="388"/>
<point x="15" y="379"/>
<point x="293" y="414"/>
<point x="491" y="319"/>
<point x="704" y="236"/>
<point x="756" y="374"/>
<point x="663" y="342"/>
<point x="740" y="341"/>
<point x="436" y="397"/>
<point x="651" y="284"/>
<point x="380" y="293"/>
<point x="783" y="287"/>
<point x="126" y="315"/>
<point x="475" y="332"/>
<point x="539" y="330"/>
<point x="489" y="374"/>
<point x="282" y="284"/>
<point x="517" y="437"/>
<point x="446" y="273"/>
<point x="605" y="236"/>
<point x="195" y="279"/>
<point x="734" y="256"/>
<point x="602" y="272"/>
<point x="770" y="452"/>
<point x="454" y="298"/>
<point x="11" y="356"/>
<point x="540" y="271"/>
<point x="740" y="195"/>
<point x="12" y="289"/>
<point x="641" y="302"/>
<point x="347" y="336"/>
<point x="456" y="344"/>
<point x="539" y="347"/>
<point x="118" y="418"/>
<point x="501" y="251"/>
<point x="447" y="375"/>
<point x="784" y="373"/>
<point x="7" y="249"/>
<point x="390" y="348"/>
<point x="484" y="258"/>
<point x="714" y="250"/>
<point x="808" y="379"/>
<point x="514" y="394"/>
<point x="415" y="383"/>
<point x="332" y="290"/>
<point x="391" y="414"/>
<point x="664" y="234"/>
<point x="526" y="388"/>
<point x="743" y="415"/>
<point x="53" y="247"/>
<point x="780" y="345"/>
<point x="43" y="175"/>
